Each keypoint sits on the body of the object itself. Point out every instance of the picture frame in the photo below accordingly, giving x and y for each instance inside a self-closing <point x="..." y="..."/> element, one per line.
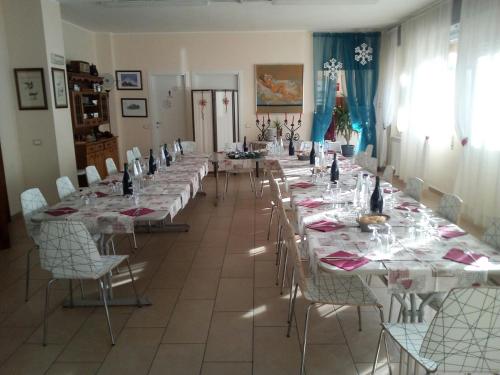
<point x="279" y="88"/>
<point x="128" y="80"/>
<point x="30" y="87"/>
<point x="59" y="87"/>
<point x="134" y="107"/>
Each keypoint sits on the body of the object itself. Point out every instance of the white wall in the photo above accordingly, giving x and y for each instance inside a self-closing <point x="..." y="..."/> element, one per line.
<point x="79" y="43"/>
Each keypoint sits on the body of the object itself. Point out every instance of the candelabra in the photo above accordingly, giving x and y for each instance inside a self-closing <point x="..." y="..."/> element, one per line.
<point x="262" y="126"/>
<point x="292" y="134"/>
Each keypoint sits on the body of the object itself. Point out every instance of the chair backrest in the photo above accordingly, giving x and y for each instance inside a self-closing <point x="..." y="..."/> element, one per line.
<point x="388" y="173"/>
<point x="92" y="174"/>
<point x="137" y="152"/>
<point x="305" y="146"/>
<point x="414" y="188"/>
<point x="450" y="207"/>
<point x="188" y="146"/>
<point x="64" y="187"/>
<point x="369" y="151"/>
<point x="371" y="164"/>
<point x="68" y="250"/>
<point x="130" y="157"/>
<point x="360" y="159"/>
<point x="292" y="247"/>
<point x="464" y="335"/>
<point x="111" y="166"/>
<point x="32" y="202"/>
<point x="492" y="234"/>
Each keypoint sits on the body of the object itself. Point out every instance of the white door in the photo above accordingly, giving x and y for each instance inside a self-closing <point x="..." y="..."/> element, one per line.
<point x="168" y="109"/>
<point x="225" y="119"/>
<point x="203" y="121"/>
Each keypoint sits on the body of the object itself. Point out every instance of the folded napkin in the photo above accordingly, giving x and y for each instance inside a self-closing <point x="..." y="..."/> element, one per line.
<point x="351" y="261"/>
<point x="407" y="208"/>
<point x="100" y="194"/>
<point x="325" y="226"/>
<point x="137" y="211"/>
<point x="450" y="231"/>
<point x="393" y="190"/>
<point x="302" y="185"/>
<point x="310" y="203"/>
<point x="106" y="183"/>
<point x="459" y="256"/>
<point x="61" y="211"/>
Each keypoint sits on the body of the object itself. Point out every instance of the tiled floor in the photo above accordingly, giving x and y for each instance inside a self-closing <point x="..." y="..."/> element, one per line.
<point x="216" y="309"/>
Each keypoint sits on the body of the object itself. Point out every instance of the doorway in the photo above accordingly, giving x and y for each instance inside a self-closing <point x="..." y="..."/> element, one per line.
<point x="168" y="109"/>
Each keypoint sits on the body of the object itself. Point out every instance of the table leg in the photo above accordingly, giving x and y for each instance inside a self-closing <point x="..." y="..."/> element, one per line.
<point x="216" y="173"/>
<point x="257" y="169"/>
<point x="413" y="308"/>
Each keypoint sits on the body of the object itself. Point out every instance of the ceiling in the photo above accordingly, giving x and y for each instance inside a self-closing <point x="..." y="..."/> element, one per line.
<point x="129" y="16"/>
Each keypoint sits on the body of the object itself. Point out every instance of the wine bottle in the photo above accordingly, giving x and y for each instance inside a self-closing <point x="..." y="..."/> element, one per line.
<point x="126" y="182"/>
<point x="377" y="200"/>
<point x="291" y="147"/>
<point x="167" y="155"/>
<point x="334" y="172"/>
<point x="312" y="155"/>
<point x="180" y="146"/>
<point x="245" y="147"/>
<point x="151" y="162"/>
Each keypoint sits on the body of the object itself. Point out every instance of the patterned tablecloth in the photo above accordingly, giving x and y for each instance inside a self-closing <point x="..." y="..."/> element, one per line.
<point x="414" y="260"/>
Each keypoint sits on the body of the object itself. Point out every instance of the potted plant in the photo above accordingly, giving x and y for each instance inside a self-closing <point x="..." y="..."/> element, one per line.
<point x="279" y="127"/>
<point x="343" y="124"/>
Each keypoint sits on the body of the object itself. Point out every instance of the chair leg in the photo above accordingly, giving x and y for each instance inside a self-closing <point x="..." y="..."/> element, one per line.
<point x="46" y="312"/>
<point x="285" y="265"/>
<point x="291" y="308"/>
<point x="105" y="301"/>
<point x="360" y="328"/>
<point x="252" y="181"/>
<point x="28" y="266"/>
<point x="133" y="284"/>
<point x="378" y="351"/>
<point x="82" y="293"/>
<point x="290" y="297"/>
<point x="226" y="184"/>
<point x="390" y="308"/>
<point x="270" y="222"/>
<point x="262" y="183"/>
<point x="71" y="304"/>
<point x="304" y="347"/>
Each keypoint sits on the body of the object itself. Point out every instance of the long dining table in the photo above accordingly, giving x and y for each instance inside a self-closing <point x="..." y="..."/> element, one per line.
<point x="416" y="253"/>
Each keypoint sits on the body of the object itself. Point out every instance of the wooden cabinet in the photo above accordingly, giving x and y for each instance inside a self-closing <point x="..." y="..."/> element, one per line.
<point x="89" y="109"/>
<point x="96" y="153"/>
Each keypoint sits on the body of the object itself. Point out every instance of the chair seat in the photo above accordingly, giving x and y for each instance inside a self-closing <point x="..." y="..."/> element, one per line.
<point x="410" y="338"/>
<point x="336" y="290"/>
<point x="437" y="299"/>
<point x="100" y="268"/>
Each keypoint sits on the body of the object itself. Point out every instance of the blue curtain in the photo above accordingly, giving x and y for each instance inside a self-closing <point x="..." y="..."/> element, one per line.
<point x="358" y="53"/>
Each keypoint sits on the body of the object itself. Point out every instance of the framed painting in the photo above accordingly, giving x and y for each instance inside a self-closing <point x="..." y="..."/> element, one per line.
<point x="30" y="87"/>
<point x="128" y="80"/>
<point x="279" y="88"/>
<point x="134" y="107"/>
<point x="59" y="86"/>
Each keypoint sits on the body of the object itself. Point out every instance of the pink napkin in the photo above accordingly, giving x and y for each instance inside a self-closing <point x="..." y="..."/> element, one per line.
<point x="310" y="203"/>
<point x="388" y="191"/>
<point x="302" y="185"/>
<point x="346" y="264"/>
<point x="100" y="194"/>
<point x="137" y="211"/>
<point x="448" y="232"/>
<point x="61" y="211"/>
<point x="325" y="226"/>
<point x="458" y="255"/>
<point x="407" y="208"/>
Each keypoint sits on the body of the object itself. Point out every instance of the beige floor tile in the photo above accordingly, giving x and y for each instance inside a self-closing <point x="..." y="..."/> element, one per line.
<point x="324" y="327"/>
<point x="382" y="368"/>
<point x="178" y="359"/>
<point x="158" y="314"/>
<point x="209" y="257"/>
<point x="201" y="283"/>
<point x="190" y="322"/>
<point x="226" y="368"/>
<point x="133" y="353"/>
<point x="171" y="275"/>
<point x="234" y="295"/>
<point x="181" y="253"/>
<point x="270" y="308"/>
<point x="265" y="274"/>
<point x="12" y="338"/>
<point x="274" y="353"/>
<point x="329" y="359"/>
<point x="240" y="243"/>
<point x="230" y="338"/>
<point x="215" y="237"/>
<point x="238" y="265"/>
<point x="31" y="359"/>
<point x="73" y="368"/>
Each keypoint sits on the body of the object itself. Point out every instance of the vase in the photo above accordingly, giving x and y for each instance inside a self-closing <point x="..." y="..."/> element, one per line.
<point x="347" y="150"/>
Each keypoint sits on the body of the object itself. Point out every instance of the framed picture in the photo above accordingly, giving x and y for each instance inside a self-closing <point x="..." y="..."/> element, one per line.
<point x="134" y="107"/>
<point x="30" y="86"/>
<point x="59" y="86"/>
<point x="128" y="80"/>
<point x="279" y="88"/>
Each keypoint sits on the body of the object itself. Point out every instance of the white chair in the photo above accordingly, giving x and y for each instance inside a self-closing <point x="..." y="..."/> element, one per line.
<point x="492" y="234"/>
<point x="369" y="151"/>
<point x="111" y="166"/>
<point x="325" y="289"/>
<point x="462" y="338"/>
<point x="371" y="164"/>
<point x="137" y="152"/>
<point x="130" y="157"/>
<point x="68" y="251"/>
<point x="32" y="202"/>
<point x="188" y="146"/>
<point x="64" y="187"/>
<point x="388" y="173"/>
<point x="305" y="146"/>
<point x="414" y="188"/>
<point x="92" y="174"/>
<point x="450" y="207"/>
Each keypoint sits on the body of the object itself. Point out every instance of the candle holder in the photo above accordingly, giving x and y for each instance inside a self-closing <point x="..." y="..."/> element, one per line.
<point x="292" y="130"/>
<point x="262" y="126"/>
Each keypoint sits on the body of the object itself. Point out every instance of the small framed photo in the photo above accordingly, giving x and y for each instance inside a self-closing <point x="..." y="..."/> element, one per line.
<point x="134" y="107"/>
<point x="59" y="86"/>
<point x="128" y="80"/>
<point x="30" y="86"/>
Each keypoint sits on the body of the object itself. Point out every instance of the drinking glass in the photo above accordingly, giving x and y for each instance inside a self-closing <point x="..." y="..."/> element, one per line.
<point x="327" y="194"/>
<point x="375" y="240"/>
<point x="336" y="191"/>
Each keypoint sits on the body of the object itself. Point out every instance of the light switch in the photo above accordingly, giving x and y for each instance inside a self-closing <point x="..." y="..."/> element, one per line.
<point x="37" y="142"/>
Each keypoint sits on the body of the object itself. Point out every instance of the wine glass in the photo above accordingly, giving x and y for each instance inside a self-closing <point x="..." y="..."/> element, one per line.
<point x="375" y="240"/>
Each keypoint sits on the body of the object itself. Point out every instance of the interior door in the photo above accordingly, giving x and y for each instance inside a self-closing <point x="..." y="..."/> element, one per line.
<point x="4" y="209"/>
<point x="168" y="108"/>
<point x="224" y="109"/>
<point x="203" y="120"/>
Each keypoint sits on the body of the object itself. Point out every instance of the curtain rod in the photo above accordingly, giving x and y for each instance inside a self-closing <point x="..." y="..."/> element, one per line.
<point x="415" y="14"/>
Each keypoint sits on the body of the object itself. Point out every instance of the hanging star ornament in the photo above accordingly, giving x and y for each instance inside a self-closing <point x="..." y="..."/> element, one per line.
<point x="363" y="54"/>
<point x="332" y="68"/>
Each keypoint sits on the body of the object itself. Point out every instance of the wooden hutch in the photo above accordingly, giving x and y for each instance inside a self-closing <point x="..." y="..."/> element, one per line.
<point x="89" y="110"/>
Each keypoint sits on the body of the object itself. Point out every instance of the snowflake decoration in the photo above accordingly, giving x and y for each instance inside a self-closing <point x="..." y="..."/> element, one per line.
<point x="332" y="68"/>
<point x="363" y="54"/>
<point x="225" y="101"/>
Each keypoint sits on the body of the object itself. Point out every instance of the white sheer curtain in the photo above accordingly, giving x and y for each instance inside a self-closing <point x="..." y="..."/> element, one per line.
<point x="388" y="91"/>
<point x="426" y="94"/>
<point x="477" y="108"/>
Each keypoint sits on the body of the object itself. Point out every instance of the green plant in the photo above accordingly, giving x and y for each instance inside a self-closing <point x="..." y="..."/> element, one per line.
<point x="277" y="124"/>
<point x="343" y="122"/>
